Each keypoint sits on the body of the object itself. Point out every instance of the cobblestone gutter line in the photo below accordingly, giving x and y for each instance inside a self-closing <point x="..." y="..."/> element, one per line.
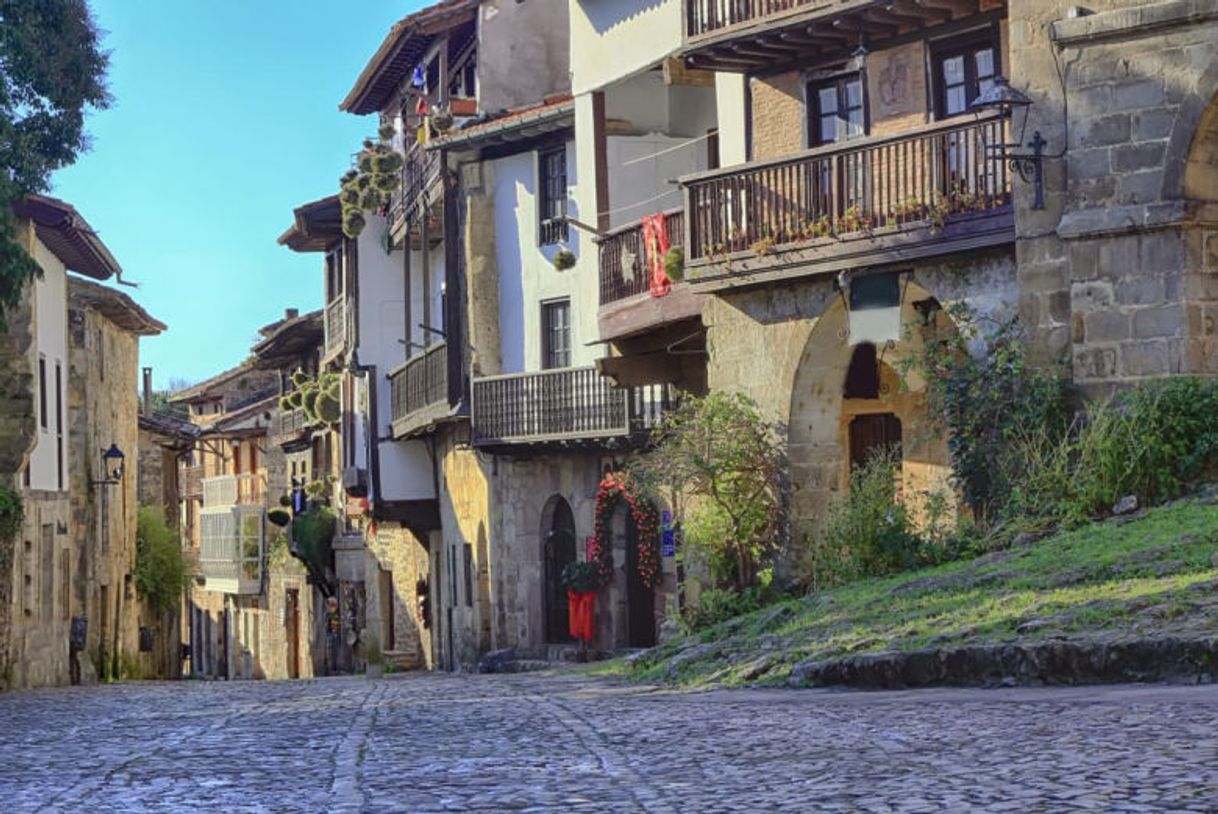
<point x="346" y="794"/>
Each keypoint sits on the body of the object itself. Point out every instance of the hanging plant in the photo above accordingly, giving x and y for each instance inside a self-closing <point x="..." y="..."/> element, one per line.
<point x="674" y="264"/>
<point x="581" y="577"/>
<point x="619" y="486"/>
<point x="564" y="259"/>
<point x="279" y="517"/>
<point x="367" y="186"/>
<point x="319" y="398"/>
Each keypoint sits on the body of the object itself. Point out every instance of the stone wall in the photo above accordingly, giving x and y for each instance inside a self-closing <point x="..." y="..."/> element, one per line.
<point x="1114" y="272"/>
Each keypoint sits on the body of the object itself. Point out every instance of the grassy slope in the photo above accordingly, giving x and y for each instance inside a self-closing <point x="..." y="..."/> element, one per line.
<point x="1149" y="575"/>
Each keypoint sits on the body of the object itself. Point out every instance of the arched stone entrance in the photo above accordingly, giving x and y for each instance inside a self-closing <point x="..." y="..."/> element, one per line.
<point x="849" y="400"/>
<point x="557" y="551"/>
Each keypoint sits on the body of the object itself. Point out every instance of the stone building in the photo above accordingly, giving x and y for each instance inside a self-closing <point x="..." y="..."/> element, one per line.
<point x="72" y="610"/>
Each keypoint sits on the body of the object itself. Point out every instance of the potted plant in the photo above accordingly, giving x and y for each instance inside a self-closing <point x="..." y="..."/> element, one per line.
<point x="564" y="259"/>
<point x="674" y="264"/>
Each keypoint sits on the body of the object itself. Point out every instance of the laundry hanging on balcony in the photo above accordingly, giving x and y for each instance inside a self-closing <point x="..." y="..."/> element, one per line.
<point x="417" y="79"/>
<point x="655" y="249"/>
<point x="875" y="309"/>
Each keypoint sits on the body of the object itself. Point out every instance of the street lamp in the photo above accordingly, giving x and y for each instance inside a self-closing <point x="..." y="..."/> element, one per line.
<point x="112" y="467"/>
<point x="1004" y="100"/>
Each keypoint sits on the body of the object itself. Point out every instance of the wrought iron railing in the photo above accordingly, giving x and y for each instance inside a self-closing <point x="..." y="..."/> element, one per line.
<point x="336" y="326"/>
<point x="623" y="266"/>
<point x="560" y="405"/>
<point x="921" y="179"/>
<point x="420" y="382"/>
<point x="234" y="490"/>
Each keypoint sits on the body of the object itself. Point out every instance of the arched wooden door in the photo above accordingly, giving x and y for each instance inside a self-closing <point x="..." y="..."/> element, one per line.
<point x="558" y="550"/>
<point x="640" y="599"/>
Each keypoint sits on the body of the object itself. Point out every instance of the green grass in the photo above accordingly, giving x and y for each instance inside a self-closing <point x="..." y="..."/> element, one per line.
<point x="1145" y="576"/>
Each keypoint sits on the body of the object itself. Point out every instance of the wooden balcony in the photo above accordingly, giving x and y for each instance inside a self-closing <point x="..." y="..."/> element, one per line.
<point x="420" y="173"/>
<point x="192" y="482"/>
<point x="626" y="304"/>
<point x="234" y="490"/>
<point x="232" y="545"/>
<point x="868" y="202"/>
<point x="748" y="36"/>
<point x="574" y="404"/>
<point x="419" y="390"/>
<point x="336" y="319"/>
<point x="289" y="426"/>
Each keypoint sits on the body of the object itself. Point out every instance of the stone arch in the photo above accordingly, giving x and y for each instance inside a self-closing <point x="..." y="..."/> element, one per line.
<point x="820" y="416"/>
<point x="1200" y="168"/>
<point x="557" y="535"/>
<point x="1196" y="124"/>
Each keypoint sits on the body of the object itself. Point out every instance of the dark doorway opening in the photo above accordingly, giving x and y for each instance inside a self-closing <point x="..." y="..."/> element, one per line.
<point x="874" y="434"/>
<point x="640" y="599"/>
<point x="558" y="548"/>
<point x="291" y="621"/>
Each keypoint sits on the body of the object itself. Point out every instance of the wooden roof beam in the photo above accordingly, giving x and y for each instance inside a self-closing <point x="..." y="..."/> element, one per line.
<point x="885" y="17"/>
<point x="958" y="8"/>
<point x="805" y="40"/>
<point x="931" y="16"/>
<point x="857" y="26"/>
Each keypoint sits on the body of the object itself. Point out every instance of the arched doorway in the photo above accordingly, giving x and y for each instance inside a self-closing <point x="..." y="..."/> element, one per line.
<point x="558" y="550"/>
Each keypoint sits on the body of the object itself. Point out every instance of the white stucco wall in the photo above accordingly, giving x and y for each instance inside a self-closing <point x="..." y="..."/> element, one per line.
<point x="51" y="343"/>
<point x="527" y="276"/>
<point x="405" y="468"/>
<point x="730" y="110"/>
<point x="640" y="169"/>
<point x="615" y="38"/>
<point x="431" y="313"/>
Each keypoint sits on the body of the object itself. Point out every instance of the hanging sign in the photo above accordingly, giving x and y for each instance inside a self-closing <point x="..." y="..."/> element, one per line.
<point x="875" y="309"/>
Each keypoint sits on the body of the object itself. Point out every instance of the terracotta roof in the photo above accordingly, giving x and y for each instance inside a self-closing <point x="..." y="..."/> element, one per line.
<point x="403" y="47"/>
<point x="551" y="115"/>
<point x="290" y="338"/>
<point x="69" y="236"/>
<point x="225" y="422"/>
<point x="202" y="390"/>
<point x="116" y="306"/>
<point x="318" y="226"/>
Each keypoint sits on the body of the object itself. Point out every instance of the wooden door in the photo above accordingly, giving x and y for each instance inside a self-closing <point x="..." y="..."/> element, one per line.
<point x="871" y="434"/>
<point x="559" y="548"/>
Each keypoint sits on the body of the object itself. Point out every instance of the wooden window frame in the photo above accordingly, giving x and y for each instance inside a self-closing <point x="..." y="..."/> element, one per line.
<point x="551" y="196"/>
<point x="838" y="81"/>
<point x="963" y="45"/>
<point x="548" y="348"/>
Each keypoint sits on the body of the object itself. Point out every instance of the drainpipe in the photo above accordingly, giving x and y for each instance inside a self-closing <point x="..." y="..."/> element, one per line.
<point x="147" y="391"/>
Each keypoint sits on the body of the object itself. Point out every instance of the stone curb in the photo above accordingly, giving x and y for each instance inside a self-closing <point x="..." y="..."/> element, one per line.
<point x="1050" y="662"/>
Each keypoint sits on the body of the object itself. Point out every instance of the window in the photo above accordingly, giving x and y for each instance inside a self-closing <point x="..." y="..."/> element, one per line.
<point x="836" y="110"/>
<point x="556" y="334"/>
<point x="59" y="422"/>
<point x="963" y="70"/>
<point x="42" y="392"/>
<point x="553" y="195"/>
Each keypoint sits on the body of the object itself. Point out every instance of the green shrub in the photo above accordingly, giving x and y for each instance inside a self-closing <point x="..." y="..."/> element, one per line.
<point x="717" y="605"/>
<point x="581" y="577"/>
<point x="312" y="536"/>
<point x="162" y="571"/>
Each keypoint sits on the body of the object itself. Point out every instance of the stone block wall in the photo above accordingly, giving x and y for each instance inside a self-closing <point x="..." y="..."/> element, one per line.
<point x="1113" y="272"/>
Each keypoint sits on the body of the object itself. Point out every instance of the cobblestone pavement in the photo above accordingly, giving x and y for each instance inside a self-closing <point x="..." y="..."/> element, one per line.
<point x="423" y="743"/>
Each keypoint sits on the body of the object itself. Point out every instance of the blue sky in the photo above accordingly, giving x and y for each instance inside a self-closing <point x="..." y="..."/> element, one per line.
<point x="225" y="117"/>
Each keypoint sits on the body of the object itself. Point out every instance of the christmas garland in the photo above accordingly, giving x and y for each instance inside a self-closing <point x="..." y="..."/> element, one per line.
<point x="619" y="486"/>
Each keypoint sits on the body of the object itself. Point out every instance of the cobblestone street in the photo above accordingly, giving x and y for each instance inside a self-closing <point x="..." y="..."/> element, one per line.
<point x="422" y="743"/>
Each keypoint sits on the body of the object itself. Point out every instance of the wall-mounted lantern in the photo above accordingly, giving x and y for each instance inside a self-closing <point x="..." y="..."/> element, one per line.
<point x="112" y="467"/>
<point x="1005" y="100"/>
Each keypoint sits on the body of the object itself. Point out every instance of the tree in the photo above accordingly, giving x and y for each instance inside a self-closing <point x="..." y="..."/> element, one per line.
<point x="718" y="455"/>
<point x="162" y="570"/>
<point x="51" y="72"/>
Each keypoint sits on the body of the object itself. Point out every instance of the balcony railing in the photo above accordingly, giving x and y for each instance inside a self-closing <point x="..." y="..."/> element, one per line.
<point x="336" y="326"/>
<point x="288" y="425"/>
<point x="623" y="258"/>
<point x="234" y="490"/>
<point x="192" y="482"/>
<point x="707" y="16"/>
<point x="560" y="405"/>
<point x="419" y="383"/>
<point x="232" y="544"/>
<point x="419" y="172"/>
<point x="897" y="183"/>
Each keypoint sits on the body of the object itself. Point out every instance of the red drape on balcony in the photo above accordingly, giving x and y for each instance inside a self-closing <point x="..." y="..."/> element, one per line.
<point x="655" y="248"/>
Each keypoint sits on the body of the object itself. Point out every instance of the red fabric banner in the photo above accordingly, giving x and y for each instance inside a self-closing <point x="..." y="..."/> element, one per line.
<point x="580" y="615"/>
<point x="655" y="248"/>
